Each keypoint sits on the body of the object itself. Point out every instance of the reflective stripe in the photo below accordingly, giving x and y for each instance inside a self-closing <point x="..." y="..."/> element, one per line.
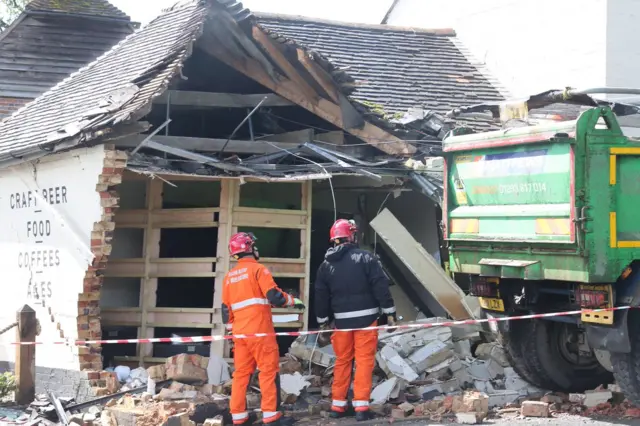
<point x="339" y="403"/>
<point x="390" y="310"/>
<point x="240" y="416"/>
<point x="249" y="302"/>
<point x="322" y="320"/>
<point x="290" y="301"/>
<point x="267" y="416"/>
<point x="360" y="403"/>
<point x="355" y="314"/>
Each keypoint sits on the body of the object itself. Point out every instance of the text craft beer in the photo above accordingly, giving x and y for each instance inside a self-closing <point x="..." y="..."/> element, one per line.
<point x="37" y="230"/>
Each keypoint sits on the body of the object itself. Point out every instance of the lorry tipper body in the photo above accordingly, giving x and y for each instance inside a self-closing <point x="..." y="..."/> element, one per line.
<point x="545" y="219"/>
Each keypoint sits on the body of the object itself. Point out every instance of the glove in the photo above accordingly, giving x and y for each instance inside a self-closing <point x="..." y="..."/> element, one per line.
<point x="391" y="320"/>
<point x="297" y="304"/>
<point x="324" y="338"/>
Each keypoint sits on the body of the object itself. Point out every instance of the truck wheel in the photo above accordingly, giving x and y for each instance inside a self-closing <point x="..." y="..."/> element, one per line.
<point x="560" y="350"/>
<point x="626" y="367"/>
<point x="515" y="342"/>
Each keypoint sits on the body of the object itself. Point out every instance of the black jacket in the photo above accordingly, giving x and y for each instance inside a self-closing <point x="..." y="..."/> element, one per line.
<point x="351" y="287"/>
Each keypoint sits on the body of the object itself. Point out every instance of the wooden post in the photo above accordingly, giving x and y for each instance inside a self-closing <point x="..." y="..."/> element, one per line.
<point x="26" y="356"/>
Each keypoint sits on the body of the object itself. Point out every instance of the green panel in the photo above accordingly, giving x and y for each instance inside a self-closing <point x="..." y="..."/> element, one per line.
<point x="537" y="174"/>
<point x="509" y="188"/>
<point x="628" y="198"/>
<point x="595" y="256"/>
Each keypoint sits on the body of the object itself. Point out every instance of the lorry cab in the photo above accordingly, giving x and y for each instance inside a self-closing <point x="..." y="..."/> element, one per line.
<point x="544" y="218"/>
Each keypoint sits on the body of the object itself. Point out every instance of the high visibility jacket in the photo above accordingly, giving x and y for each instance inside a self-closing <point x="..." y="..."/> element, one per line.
<point x="248" y="292"/>
<point x="352" y="287"/>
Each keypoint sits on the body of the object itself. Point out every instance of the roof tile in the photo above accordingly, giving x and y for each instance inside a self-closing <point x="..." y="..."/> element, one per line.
<point x="81" y="7"/>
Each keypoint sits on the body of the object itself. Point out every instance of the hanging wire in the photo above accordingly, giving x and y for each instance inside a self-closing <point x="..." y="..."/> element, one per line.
<point x="330" y="177"/>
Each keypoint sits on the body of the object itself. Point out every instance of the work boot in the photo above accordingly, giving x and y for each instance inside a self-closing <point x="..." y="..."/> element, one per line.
<point x="336" y="414"/>
<point x="363" y="416"/>
<point x="250" y="420"/>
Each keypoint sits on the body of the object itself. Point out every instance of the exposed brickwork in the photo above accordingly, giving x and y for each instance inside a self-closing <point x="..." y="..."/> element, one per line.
<point x="9" y="105"/>
<point x="89" y="327"/>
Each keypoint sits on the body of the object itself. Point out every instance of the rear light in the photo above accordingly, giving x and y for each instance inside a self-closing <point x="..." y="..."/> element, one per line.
<point x="483" y="287"/>
<point x="593" y="297"/>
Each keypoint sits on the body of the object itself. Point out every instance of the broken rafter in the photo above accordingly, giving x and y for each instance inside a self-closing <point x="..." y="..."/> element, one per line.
<point x="219" y="100"/>
<point x="319" y="76"/>
<point x="288" y="89"/>
<point x="283" y="63"/>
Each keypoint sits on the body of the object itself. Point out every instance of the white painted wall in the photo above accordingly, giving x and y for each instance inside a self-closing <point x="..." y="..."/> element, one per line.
<point x="47" y="210"/>
<point x="532" y="46"/>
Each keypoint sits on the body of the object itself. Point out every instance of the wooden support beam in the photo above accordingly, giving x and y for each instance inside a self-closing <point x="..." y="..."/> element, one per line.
<point x="228" y="196"/>
<point x="305" y="250"/>
<point x="219" y="100"/>
<point x="283" y="63"/>
<point x="323" y="108"/>
<point x="151" y="250"/>
<point x="320" y="76"/>
<point x="210" y="144"/>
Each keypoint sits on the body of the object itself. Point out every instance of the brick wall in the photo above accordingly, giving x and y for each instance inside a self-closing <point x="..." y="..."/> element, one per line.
<point x="9" y="105"/>
<point x="89" y="327"/>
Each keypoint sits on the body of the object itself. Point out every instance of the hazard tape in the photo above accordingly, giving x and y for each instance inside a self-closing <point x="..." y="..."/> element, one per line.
<point x="204" y="339"/>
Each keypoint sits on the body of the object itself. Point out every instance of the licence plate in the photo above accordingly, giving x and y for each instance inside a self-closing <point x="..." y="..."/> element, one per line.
<point x="491" y="304"/>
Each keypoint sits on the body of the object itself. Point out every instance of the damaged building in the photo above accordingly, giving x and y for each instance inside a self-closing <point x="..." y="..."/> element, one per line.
<point x="122" y="184"/>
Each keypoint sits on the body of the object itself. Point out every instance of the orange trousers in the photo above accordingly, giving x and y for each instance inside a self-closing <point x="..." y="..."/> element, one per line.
<point x="261" y="352"/>
<point x="350" y="345"/>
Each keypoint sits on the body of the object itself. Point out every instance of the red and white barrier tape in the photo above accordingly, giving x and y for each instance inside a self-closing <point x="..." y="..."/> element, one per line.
<point x="200" y="339"/>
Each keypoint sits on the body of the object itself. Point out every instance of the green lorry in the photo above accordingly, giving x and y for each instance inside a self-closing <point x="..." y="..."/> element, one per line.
<point x="546" y="219"/>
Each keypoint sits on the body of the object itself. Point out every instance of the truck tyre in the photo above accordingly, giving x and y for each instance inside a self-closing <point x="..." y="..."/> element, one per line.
<point x="626" y="367"/>
<point x="560" y="350"/>
<point x="515" y="344"/>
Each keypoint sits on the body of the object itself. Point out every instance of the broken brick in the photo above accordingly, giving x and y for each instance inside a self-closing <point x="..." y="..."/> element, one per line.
<point x="535" y="409"/>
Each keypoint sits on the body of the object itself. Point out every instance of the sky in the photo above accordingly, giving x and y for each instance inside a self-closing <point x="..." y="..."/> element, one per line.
<point x="360" y="11"/>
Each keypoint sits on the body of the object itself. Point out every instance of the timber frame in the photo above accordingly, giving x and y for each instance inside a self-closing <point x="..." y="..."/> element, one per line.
<point x="226" y="218"/>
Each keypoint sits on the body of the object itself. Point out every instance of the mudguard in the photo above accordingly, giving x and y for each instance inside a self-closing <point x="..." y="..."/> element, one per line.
<point x="615" y="338"/>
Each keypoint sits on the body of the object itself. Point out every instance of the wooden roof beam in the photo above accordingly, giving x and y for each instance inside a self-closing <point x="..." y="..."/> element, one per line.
<point x="288" y="89"/>
<point x="219" y="100"/>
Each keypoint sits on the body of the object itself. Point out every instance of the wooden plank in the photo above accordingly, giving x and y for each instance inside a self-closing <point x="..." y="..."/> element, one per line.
<point x="168" y="218"/>
<point x="219" y="100"/>
<point x="162" y="268"/>
<point x="327" y="110"/>
<point x="336" y="137"/>
<point x="210" y="144"/>
<point x="305" y="243"/>
<point x="151" y="250"/>
<point x="281" y="267"/>
<point x="270" y="218"/>
<point x="297" y="137"/>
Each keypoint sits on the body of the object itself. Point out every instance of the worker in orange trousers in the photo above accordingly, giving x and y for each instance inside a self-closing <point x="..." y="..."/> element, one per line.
<point x="352" y="287"/>
<point x="248" y="292"/>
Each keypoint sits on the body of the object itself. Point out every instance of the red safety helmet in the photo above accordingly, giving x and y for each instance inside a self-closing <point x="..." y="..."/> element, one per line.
<point x="242" y="242"/>
<point x="343" y="228"/>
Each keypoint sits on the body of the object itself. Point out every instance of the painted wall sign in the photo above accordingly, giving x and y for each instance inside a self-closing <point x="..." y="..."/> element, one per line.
<point x="47" y="210"/>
